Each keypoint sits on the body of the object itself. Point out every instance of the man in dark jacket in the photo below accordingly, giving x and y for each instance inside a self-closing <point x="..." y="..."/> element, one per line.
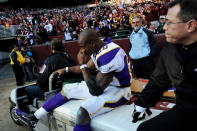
<point x="177" y="66"/>
<point x="57" y="60"/>
<point x="160" y="28"/>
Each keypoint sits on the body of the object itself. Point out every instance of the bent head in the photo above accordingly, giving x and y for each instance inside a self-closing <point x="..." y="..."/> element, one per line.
<point x="89" y="41"/>
<point x="181" y="22"/>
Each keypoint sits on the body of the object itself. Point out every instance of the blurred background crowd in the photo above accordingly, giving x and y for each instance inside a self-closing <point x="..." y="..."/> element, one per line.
<point x="32" y="26"/>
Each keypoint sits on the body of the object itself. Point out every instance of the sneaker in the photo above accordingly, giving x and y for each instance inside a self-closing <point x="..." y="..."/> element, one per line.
<point x="28" y="120"/>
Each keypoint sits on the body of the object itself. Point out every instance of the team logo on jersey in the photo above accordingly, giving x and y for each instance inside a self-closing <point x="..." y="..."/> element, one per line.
<point x="43" y="68"/>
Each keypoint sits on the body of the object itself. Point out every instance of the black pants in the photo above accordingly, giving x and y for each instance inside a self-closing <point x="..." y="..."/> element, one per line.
<point x="172" y="120"/>
<point x="34" y="92"/>
<point x="143" y="68"/>
<point x="27" y="72"/>
<point x="19" y="75"/>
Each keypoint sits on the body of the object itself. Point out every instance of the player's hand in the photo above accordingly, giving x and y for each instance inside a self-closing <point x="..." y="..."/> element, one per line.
<point x="139" y="113"/>
<point x="81" y="56"/>
<point x="59" y="71"/>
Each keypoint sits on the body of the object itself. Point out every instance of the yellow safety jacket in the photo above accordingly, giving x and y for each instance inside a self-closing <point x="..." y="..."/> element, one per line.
<point x="20" y="58"/>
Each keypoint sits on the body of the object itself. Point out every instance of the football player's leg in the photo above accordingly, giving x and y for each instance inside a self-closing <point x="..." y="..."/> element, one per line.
<point x="52" y="103"/>
<point x="109" y="100"/>
<point x="82" y="120"/>
<point x="49" y="105"/>
<point x="73" y="90"/>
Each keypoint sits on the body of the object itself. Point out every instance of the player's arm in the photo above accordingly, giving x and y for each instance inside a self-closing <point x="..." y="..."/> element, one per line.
<point x="97" y="85"/>
<point x="75" y="69"/>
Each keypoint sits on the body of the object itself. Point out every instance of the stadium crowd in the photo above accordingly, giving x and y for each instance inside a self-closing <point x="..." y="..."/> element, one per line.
<point x="35" y="25"/>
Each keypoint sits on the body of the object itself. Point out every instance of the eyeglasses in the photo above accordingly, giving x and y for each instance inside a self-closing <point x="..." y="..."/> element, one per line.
<point x="171" y="23"/>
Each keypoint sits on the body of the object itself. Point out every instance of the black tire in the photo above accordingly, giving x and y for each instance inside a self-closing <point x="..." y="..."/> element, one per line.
<point x="13" y="114"/>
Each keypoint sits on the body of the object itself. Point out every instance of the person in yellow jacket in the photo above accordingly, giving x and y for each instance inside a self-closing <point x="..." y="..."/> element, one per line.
<point x="133" y="13"/>
<point x="16" y="61"/>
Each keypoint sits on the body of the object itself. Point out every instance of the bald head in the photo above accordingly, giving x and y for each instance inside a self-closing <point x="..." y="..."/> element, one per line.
<point x="89" y="41"/>
<point x="88" y="36"/>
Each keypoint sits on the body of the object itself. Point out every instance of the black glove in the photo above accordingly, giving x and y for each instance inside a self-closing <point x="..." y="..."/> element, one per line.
<point x="140" y="114"/>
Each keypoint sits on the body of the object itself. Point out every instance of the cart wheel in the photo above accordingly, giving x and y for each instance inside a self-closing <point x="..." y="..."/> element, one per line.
<point x="13" y="114"/>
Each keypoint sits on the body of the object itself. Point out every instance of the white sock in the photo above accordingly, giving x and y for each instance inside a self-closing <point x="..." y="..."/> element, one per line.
<point x="40" y="112"/>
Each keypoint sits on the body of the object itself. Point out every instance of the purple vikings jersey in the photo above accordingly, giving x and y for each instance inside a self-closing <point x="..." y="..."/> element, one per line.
<point x="113" y="58"/>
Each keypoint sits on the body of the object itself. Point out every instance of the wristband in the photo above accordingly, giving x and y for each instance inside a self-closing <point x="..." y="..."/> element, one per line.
<point x="83" y="66"/>
<point x="67" y="70"/>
